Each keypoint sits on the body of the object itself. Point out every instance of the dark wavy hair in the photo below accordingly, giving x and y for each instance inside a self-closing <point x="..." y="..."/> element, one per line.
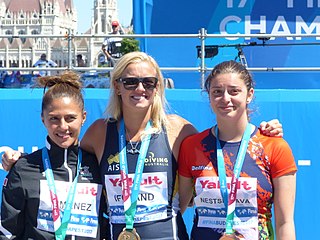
<point x="67" y="84"/>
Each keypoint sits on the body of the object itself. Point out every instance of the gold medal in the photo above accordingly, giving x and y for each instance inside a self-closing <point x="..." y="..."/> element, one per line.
<point x="228" y="237"/>
<point x="129" y="235"/>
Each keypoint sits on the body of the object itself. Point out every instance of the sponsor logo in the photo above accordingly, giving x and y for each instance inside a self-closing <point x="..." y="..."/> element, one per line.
<point x="207" y="184"/>
<point x="151" y="160"/>
<point x="200" y="168"/>
<point x="150" y="180"/>
<point x="113" y="162"/>
<point x="113" y="159"/>
<point x="85" y="173"/>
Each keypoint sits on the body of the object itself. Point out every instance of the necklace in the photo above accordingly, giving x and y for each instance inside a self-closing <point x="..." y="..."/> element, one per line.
<point x="133" y="149"/>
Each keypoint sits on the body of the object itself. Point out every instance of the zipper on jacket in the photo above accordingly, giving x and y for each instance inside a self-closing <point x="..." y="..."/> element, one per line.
<point x="66" y="165"/>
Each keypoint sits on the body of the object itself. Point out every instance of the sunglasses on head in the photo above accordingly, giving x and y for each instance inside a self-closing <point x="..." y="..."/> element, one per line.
<point x="131" y="83"/>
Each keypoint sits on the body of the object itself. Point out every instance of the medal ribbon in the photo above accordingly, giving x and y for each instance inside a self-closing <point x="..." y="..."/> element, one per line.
<point x="230" y="199"/>
<point x="130" y="197"/>
<point x="60" y="225"/>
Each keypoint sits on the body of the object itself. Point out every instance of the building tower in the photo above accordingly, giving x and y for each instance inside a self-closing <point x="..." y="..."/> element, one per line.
<point x="105" y="11"/>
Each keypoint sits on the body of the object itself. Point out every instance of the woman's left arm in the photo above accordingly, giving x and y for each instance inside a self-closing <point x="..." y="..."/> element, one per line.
<point x="284" y="198"/>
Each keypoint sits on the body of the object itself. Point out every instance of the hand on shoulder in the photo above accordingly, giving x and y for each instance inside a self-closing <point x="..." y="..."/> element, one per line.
<point x="9" y="158"/>
<point x="272" y="128"/>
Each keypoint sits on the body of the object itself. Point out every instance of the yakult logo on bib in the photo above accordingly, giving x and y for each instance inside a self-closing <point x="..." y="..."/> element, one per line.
<point x="210" y="184"/>
<point x="150" y="180"/>
<point x="81" y="189"/>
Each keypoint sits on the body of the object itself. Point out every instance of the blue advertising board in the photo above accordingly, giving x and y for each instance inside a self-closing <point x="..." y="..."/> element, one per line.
<point x="298" y="110"/>
<point x="276" y="17"/>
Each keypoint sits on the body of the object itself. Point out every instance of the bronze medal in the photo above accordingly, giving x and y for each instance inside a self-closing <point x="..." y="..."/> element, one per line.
<point x="129" y="235"/>
<point x="228" y="237"/>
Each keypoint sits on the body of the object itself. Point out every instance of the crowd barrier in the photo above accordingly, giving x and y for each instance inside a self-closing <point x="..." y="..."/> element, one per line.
<point x="90" y="79"/>
<point x="298" y="110"/>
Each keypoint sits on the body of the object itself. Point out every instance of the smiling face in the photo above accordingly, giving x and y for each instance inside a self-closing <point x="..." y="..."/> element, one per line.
<point x="138" y="98"/>
<point x="63" y="118"/>
<point x="229" y="96"/>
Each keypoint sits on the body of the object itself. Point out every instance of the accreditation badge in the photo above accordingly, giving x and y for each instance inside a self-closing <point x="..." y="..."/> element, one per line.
<point x="129" y="235"/>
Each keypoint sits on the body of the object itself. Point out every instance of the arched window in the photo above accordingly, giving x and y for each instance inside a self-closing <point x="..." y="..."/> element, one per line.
<point x="23" y="39"/>
<point x="9" y="32"/>
<point x="35" y="32"/>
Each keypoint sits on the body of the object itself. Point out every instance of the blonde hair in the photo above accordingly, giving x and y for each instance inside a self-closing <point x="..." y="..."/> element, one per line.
<point x="114" y="108"/>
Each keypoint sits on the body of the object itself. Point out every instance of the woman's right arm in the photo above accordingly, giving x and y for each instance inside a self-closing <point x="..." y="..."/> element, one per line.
<point x="12" y="206"/>
<point x="94" y="138"/>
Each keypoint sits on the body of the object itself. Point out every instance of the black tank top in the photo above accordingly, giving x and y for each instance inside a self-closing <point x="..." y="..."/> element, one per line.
<point x="157" y="200"/>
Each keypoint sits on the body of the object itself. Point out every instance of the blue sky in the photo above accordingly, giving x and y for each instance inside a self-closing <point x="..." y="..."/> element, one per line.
<point x="85" y="13"/>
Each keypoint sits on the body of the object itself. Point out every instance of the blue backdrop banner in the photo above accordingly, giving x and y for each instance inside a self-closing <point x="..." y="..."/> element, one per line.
<point x="298" y="110"/>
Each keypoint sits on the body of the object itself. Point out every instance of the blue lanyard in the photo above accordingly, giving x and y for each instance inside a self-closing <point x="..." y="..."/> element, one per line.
<point x="60" y="226"/>
<point x="238" y="164"/>
<point x="130" y="200"/>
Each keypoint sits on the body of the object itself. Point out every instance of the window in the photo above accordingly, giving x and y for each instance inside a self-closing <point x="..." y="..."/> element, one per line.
<point x="9" y="32"/>
<point x="23" y="39"/>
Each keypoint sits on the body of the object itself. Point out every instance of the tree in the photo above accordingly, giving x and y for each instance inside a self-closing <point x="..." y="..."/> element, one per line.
<point x="129" y="45"/>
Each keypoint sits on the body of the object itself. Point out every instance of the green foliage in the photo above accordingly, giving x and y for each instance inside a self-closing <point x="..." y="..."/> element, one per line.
<point x="129" y="45"/>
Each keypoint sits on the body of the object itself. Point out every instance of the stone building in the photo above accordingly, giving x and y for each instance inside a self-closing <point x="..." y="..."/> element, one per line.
<point x="50" y="18"/>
